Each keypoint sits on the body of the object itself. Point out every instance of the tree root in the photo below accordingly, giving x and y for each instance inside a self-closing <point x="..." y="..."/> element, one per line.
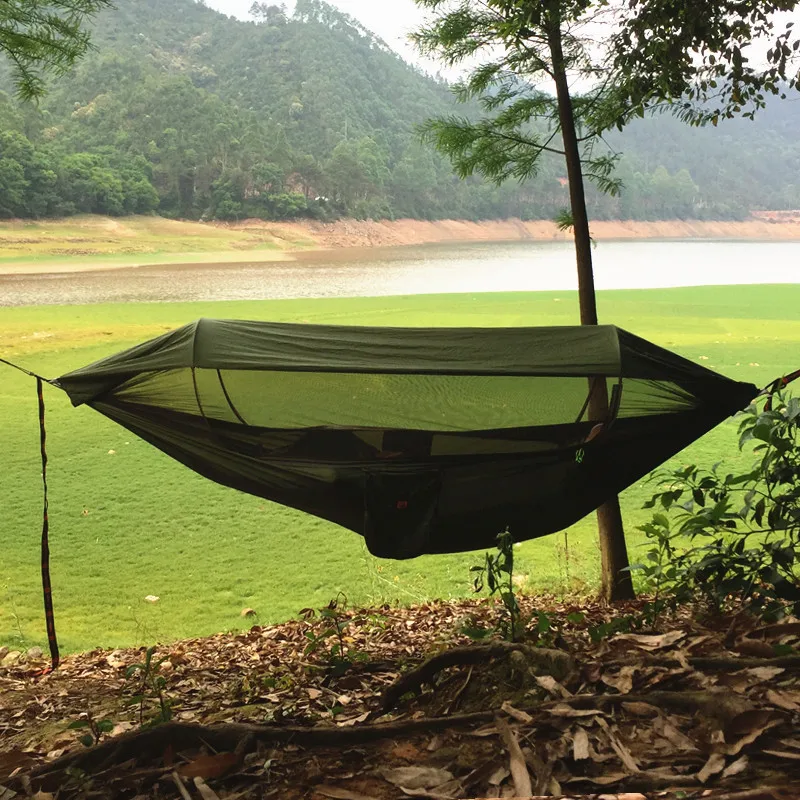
<point x="553" y="662"/>
<point x="152" y="743"/>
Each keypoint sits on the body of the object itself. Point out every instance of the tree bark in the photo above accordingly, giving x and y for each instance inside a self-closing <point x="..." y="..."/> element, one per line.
<point x="616" y="580"/>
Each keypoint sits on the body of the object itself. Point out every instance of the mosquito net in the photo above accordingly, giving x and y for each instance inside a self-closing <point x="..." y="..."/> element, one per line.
<point x="423" y="440"/>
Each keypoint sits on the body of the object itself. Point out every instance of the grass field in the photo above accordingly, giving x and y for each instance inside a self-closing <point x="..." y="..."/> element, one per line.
<point x="133" y="523"/>
<point x="108" y="242"/>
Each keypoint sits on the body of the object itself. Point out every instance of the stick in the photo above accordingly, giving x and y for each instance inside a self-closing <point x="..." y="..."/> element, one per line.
<point x="205" y="790"/>
<point x="181" y="788"/>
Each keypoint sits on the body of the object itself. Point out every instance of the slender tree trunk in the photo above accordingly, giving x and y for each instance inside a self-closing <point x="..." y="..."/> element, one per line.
<point x="616" y="582"/>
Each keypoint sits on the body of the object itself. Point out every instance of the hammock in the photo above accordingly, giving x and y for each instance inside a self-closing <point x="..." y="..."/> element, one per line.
<point x="422" y="440"/>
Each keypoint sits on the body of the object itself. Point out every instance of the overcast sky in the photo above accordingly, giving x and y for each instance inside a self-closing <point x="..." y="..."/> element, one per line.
<point x="391" y="20"/>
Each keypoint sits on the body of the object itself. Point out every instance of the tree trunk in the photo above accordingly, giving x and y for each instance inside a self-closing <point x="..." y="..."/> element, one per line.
<point x="616" y="581"/>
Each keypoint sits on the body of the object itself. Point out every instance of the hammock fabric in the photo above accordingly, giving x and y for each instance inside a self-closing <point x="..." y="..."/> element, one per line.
<point x="422" y="440"/>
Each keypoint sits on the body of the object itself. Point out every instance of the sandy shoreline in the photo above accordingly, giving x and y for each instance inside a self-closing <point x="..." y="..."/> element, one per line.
<point x="271" y="241"/>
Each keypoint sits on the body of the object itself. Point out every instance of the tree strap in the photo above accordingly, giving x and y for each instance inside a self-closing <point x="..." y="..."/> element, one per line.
<point x="46" y="586"/>
<point x="777" y="385"/>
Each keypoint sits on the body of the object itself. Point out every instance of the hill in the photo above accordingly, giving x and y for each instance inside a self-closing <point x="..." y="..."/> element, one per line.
<point x="182" y="111"/>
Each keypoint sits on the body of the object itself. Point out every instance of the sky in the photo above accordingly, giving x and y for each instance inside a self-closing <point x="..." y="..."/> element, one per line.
<point x="391" y="20"/>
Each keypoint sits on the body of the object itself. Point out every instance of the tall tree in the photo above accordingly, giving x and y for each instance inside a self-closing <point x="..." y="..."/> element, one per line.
<point x="630" y="57"/>
<point x="526" y="44"/>
<point x="41" y="36"/>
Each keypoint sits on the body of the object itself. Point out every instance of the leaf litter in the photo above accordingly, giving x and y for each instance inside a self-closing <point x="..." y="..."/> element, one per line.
<point x="687" y="709"/>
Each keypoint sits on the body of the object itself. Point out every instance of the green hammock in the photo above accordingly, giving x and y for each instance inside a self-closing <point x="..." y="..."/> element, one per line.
<point x="422" y="440"/>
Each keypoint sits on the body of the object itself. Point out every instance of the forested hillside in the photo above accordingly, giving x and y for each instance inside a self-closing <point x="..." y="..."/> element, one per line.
<point x="182" y="111"/>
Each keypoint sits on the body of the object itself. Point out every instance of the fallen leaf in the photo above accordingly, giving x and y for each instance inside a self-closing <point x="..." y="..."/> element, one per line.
<point x="622" y="681"/>
<point x="208" y="767"/>
<point x="783" y="754"/>
<point x="580" y="744"/>
<point x="550" y="684"/>
<point x="499" y="775"/>
<point x="515" y="713"/>
<point x="754" y="647"/>
<point x="13" y="760"/>
<point x="764" y="673"/>
<point x="314" y="694"/>
<point x="650" y="641"/>
<point x="519" y="769"/>
<point x="344" y="699"/>
<point x="777" y="631"/>
<point x="789" y="701"/>
<point x="341" y="794"/>
<point x="748" y="726"/>
<point x="637" y="709"/>
<point x="417" y="777"/>
<point x="563" y="710"/>
<point x="714" y="765"/>
<point x="736" y="767"/>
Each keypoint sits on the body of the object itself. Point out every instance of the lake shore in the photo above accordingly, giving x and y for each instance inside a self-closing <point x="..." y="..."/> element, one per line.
<point x="89" y="243"/>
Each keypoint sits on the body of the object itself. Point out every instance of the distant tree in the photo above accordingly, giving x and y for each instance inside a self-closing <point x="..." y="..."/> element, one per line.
<point x="40" y="36"/>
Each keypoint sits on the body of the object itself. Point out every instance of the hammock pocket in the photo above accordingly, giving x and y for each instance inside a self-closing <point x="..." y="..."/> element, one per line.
<point x="422" y="440"/>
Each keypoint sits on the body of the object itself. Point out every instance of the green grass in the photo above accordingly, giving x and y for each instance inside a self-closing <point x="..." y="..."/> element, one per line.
<point x="135" y="523"/>
<point x="105" y="241"/>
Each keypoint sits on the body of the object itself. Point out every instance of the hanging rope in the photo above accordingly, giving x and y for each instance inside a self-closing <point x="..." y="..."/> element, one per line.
<point x="46" y="586"/>
<point x="777" y="385"/>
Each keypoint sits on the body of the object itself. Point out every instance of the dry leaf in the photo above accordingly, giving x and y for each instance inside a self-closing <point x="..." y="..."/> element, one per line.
<point x="417" y="777"/>
<point x="314" y="694"/>
<point x="341" y="794"/>
<point x="519" y="769"/>
<point x="783" y="754"/>
<point x="764" y="673"/>
<point x="748" y="726"/>
<point x="580" y="744"/>
<point x="550" y="684"/>
<point x="637" y="709"/>
<point x="515" y="713"/>
<point x="666" y="729"/>
<point x="208" y="767"/>
<point x="622" y="681"/>
<point x="499" y="775"/>
<point x="563" y="710"/>
<point x="13" y="760"/>
<point x="7" y="794"/>
<point x="206" y="792"/>
<point x="714" y="765"/>
<point x="754" y="647"/>
<point x="786" y="700"/>
<point x="650" y="641"/>
<point x="737" y="767"/>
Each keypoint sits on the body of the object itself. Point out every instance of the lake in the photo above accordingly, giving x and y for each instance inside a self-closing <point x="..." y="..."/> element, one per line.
<point x="427" y="269"/>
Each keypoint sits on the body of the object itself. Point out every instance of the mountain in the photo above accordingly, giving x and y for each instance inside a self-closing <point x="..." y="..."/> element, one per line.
<point x="182" y="111"/>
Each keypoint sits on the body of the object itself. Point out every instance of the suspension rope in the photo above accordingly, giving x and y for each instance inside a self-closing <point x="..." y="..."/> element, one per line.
<point x="779" y="383"/>
<point x="46" y="585"/>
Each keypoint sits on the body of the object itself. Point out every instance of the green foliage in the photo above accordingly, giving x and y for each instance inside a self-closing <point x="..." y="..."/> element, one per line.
<point x="330" y="640"/>
<point x="39" y="36"/>
<point x="497" y="572"/>
<point x="96" y="729"/>
<point x="181" y="111"/>
<point x="696" y="58"/>
<point x="733" y="537"/>
<point x="150" y="689"/>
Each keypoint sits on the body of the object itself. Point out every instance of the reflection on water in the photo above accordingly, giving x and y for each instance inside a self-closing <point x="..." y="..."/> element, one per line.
<point x="471" y="267"/>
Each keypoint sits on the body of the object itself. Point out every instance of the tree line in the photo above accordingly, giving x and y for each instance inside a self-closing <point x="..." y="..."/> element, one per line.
<point x="181" y="111"/>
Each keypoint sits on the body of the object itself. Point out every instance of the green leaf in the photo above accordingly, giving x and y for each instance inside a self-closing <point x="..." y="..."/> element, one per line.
<point x="78" y="724"/>
<point x="105" y="726"/>
<point x="87" y="740"/>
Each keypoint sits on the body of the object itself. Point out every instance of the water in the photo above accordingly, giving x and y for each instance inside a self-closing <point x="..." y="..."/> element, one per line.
<point x="470" y="267"/>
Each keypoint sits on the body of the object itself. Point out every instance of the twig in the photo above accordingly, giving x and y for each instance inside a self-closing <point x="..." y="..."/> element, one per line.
<point x="205" y="790"/>
<point x="181" y="787"/>
<point x="519" y="770"/>
<point x="770" y="793"/>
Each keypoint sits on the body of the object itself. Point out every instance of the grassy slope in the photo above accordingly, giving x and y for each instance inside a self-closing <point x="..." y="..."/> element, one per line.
<point x="128" y="240"/>
<point x="136" y="523"/>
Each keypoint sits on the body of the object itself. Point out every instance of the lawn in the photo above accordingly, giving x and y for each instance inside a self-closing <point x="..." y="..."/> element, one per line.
<point x="127" y="522"/>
